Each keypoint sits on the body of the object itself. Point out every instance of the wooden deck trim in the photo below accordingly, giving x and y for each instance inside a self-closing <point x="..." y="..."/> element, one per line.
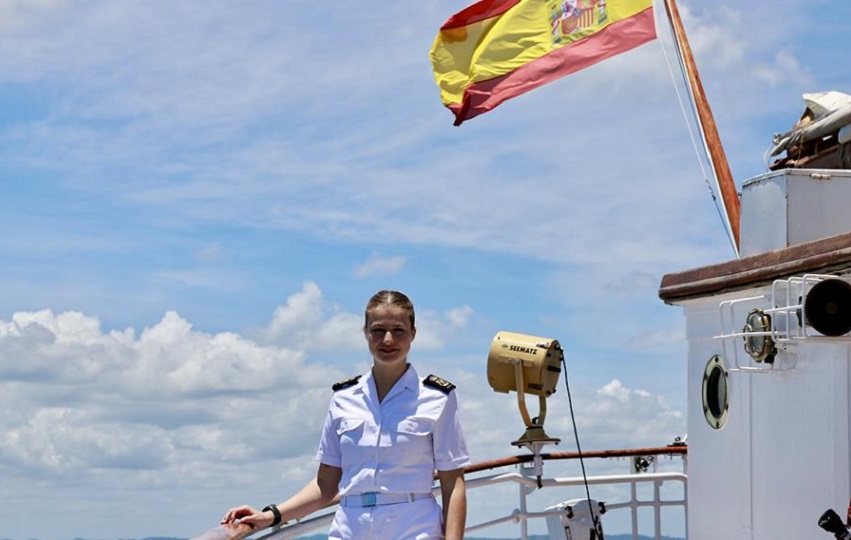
<point x="826" y="256"/>
<point x="671" y="450"/>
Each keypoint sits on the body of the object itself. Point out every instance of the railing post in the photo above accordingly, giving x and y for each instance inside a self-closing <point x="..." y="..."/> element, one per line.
<point x="524" y="527"/>
<point x="633" y="494"/>
<point x="657" y="508"/>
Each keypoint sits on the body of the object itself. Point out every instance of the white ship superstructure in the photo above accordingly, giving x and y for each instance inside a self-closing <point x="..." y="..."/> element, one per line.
<point x="769" y="384"/>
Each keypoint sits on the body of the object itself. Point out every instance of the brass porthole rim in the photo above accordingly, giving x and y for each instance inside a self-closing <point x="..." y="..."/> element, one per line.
<point x="712" y="375"/>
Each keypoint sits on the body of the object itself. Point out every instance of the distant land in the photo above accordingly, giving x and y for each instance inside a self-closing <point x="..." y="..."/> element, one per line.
<point x="325" y="537"/>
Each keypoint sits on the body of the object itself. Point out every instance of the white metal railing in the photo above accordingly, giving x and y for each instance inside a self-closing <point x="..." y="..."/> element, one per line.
<point x="731" y="311"/>
<point x="528" y="481"/>
<point x="785" y="307"/>
<point x="788" y="296"/>
<point x="522" y="515"/>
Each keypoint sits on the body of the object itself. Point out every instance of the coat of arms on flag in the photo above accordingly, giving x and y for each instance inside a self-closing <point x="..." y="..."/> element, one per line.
<point x="569" y="18"/>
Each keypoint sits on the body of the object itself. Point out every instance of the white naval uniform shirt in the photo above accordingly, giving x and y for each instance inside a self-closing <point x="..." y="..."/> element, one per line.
<point x="396" y="445"/>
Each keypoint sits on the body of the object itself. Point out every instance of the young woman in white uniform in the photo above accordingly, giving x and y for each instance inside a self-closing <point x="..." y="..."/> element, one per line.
<point x="384" y="436"/>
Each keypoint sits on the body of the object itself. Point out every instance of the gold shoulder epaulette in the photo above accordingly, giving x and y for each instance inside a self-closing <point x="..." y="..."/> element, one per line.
<point x="436" y="382"/>
<point x="345" y="384"/>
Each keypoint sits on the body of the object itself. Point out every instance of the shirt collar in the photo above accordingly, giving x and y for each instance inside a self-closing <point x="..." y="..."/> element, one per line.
<point x="409" y="380"/>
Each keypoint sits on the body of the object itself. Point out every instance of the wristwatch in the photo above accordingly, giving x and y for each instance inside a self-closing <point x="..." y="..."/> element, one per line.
<point x="275" y="512"/>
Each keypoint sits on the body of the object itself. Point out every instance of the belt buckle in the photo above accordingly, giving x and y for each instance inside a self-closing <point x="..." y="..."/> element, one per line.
<point x="368" y="499"/>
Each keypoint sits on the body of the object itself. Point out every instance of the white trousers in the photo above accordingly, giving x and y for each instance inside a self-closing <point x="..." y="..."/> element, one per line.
<point x="417" y="520"/>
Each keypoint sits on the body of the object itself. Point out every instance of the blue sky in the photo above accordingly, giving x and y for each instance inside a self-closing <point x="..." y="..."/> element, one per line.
<point x="199" y="198"/>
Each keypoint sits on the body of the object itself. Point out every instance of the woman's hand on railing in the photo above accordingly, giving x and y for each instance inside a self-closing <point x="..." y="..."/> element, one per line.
<point x="249" y="516"/>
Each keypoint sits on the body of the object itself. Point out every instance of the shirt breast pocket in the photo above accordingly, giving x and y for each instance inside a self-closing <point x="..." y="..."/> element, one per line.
<point x="415" y="427"/>
<point x="414" y="436"/>
<point x="350" y="431"/>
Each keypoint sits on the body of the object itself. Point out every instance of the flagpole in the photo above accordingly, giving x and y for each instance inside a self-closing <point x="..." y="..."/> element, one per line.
<point x="717" y="157"/>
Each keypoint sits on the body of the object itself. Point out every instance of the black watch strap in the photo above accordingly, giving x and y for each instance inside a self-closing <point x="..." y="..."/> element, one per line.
<point x="275" y="512"/>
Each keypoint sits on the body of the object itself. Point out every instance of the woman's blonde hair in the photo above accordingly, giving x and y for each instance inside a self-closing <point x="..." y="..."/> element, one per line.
<point x="389" y="298"/>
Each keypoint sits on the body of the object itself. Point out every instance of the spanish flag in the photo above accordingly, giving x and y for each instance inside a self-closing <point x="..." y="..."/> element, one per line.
<point x="495" y="50"/>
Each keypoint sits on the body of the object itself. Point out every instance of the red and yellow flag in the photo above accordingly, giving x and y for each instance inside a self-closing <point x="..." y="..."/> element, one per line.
<point x="495" y="50"/>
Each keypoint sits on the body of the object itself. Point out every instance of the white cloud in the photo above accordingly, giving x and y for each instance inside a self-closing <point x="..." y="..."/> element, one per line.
<point x="380" y="265"/>
<point x="91" y="399"/>
<point x="618" y="415"/>
<point x="785" y="66"/>
<point x="657" y="340"/>
<point x="460" y="317"/>
<point x="204" y="278"/>
<point x="18" y="15"/>
<point x="434" y="329"/>
<point x="65" y="439"/>
<point x="306" y="322"/>
<point x="302" y="311"/>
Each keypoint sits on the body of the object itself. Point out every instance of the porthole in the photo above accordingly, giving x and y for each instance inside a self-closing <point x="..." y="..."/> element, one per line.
<point x="716" y="404"/>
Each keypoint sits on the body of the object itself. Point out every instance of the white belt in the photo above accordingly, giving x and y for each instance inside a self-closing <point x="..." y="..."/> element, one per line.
<point x="364" y="500"/>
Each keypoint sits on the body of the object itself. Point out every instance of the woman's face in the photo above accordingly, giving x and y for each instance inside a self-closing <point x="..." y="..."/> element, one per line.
<point x="389" y="334"/>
